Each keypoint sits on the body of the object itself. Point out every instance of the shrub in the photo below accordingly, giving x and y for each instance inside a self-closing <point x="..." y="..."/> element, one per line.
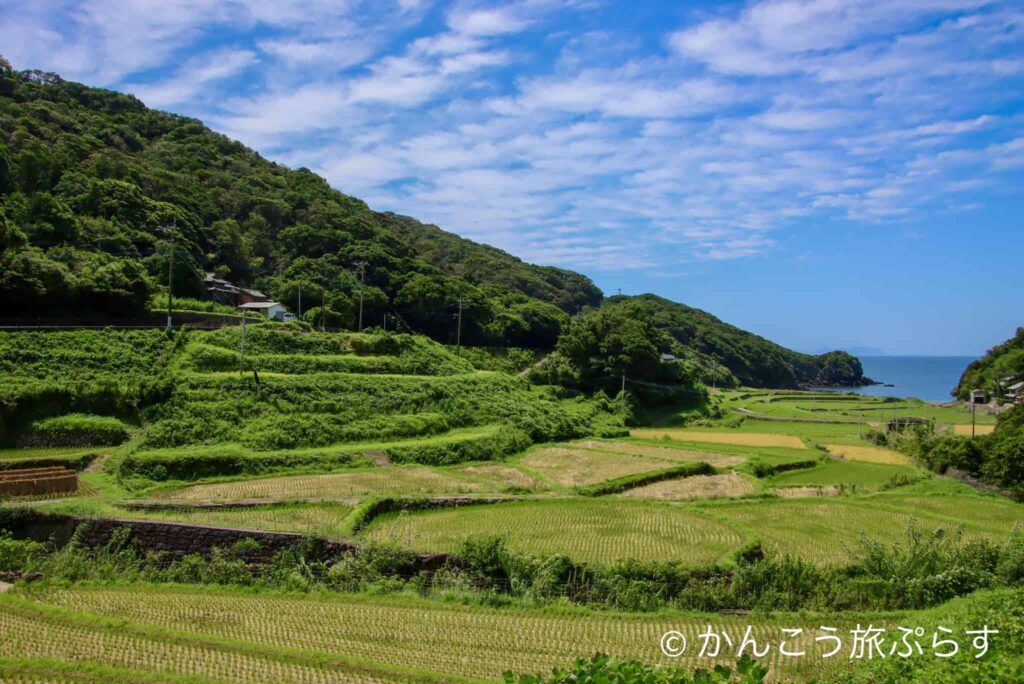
<point x="76" y="429"/>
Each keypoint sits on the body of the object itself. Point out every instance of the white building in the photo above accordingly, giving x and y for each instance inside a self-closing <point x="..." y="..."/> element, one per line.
<point x="272" y="310"/>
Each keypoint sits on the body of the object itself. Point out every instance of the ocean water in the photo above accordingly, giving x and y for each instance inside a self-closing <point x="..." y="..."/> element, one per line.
<point x="926" y="377"/>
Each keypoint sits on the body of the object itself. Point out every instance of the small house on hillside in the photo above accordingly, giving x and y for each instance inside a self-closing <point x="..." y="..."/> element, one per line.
<point x="272" y="310"/>
<point x="1015" y="392"/>
<point x="226" y="292"/>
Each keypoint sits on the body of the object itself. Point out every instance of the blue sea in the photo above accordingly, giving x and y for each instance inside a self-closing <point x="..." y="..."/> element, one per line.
<point x="926" y="377"/>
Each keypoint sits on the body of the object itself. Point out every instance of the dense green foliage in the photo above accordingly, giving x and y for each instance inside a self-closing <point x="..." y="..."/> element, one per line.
<point x="1003" y="361"/>
<point x="997" y="458"/>
<point x="923" y="571"/>
<point x="602" y="669"/>
<point x="91" y="178"/>
<point x="103" y="372"/>
<point x="76" y="429"/>
<point x="298" y="400"/>
<point x="628" y="335"/>
<point x="1003" y="664"/>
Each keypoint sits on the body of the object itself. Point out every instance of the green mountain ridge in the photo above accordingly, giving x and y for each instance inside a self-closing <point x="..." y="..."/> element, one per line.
<point x="1002" y="361"/>
<point x="94" y="185"/>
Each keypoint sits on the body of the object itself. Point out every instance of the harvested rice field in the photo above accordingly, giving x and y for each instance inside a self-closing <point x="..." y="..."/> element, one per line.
<point x="868" y="454"/>
<point x="322" y="518"/>
<point x="576" y="467"/>
<point x="387" y="635"/>
<point x="754" y="439"/>
<point x="667" y="453"/>
<point x="696" y="487"/>
<point x="398" y="480"/>
<point x="804" y="492"/>
<point x="596" y="530"/>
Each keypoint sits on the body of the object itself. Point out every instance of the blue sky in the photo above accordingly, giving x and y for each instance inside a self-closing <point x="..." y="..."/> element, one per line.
<point x="823" y="172"/>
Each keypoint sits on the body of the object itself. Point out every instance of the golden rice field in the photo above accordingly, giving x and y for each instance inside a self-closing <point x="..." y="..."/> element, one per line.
<point x="804" y="492"/>
<point x="869" y="454"/>
<point x="468" y="641"/>
<point x="667" y="453"/>
<point x="574" y="467"/>
<point x="755" y="439"/>
<point x="319" y="518"/>
<point x="597" y="530"/>
<point x="403" y="480"/>
<point x="821" y="530"/>
<point x="696" y="487"/>
<point x="500" y="474"/>
<point x="965" y="430"/>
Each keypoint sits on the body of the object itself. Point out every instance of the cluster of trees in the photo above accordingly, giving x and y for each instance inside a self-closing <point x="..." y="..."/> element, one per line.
<point x="997" y="459"/>
<point x="629" y="335"/>
<point x="96" y="190"/>
<point x="1002" y="361"/>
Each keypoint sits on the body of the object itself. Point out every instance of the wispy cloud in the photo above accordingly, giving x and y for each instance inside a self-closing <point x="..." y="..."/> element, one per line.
<point x="701" y="140"/>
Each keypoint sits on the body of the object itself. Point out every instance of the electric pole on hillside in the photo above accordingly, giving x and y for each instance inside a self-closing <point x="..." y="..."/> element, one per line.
<point x="241" y="347"/>
<point x="170" y="270"/>
<point x="622" y="392"/>
<point x="362" y="286"/>
<point x="300" y="302"/>
<point x="385" y="321"/>
<point x="323" y="310"/>
<point x="458" y="329"/>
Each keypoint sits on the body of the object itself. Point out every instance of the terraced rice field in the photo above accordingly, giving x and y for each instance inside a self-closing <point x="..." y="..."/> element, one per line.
<point x="574" y="467"/>
<point x="31" y="633"/>
<point x="965" y="430"/>
<point x="822" y="529"/>
<point x="856" y="474"/>
<point x="868" y="454"/>
<point x="804" y="492"/>
<point x="405" y="480"/>
<point x="697" y="487"/>
<point x="322" y="519"/>
<point x="599" y="530"/>
<point x="467" y="641"/>
<point x="755" y="439"/>
<point x="500" y="474"/>
<point x="666" y="453"/>
<point x="988" y="511"/>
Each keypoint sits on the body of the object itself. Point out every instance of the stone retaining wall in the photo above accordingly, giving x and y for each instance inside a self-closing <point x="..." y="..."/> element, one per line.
<point x="177" y="540"/>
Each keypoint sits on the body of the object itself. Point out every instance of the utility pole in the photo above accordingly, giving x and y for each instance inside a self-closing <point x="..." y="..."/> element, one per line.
<point x="385" y="321"/>
<point x="323" y="310"/>
<point x="241" y="347"/>
<point x="458" y="334"/>
<point x="300" y="301"/>
<point x="170" y="273"/>
<point x="362" y="286"/>
<point x="622" y="392"/>
<point x="974" y="411"/>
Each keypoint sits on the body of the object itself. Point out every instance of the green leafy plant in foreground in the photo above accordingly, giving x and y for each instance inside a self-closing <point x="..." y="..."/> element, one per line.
<point x="603" y="669"/>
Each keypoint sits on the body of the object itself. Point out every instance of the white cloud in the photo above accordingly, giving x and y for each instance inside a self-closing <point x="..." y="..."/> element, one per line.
<point x="592" y="148"/>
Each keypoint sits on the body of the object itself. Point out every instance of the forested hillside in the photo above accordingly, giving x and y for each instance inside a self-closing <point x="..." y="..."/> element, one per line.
<point x="96" y="191"/>
<point x="630" y="334"/>
<point x="93" y="184"/>
<point x="1003" y="361"/>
